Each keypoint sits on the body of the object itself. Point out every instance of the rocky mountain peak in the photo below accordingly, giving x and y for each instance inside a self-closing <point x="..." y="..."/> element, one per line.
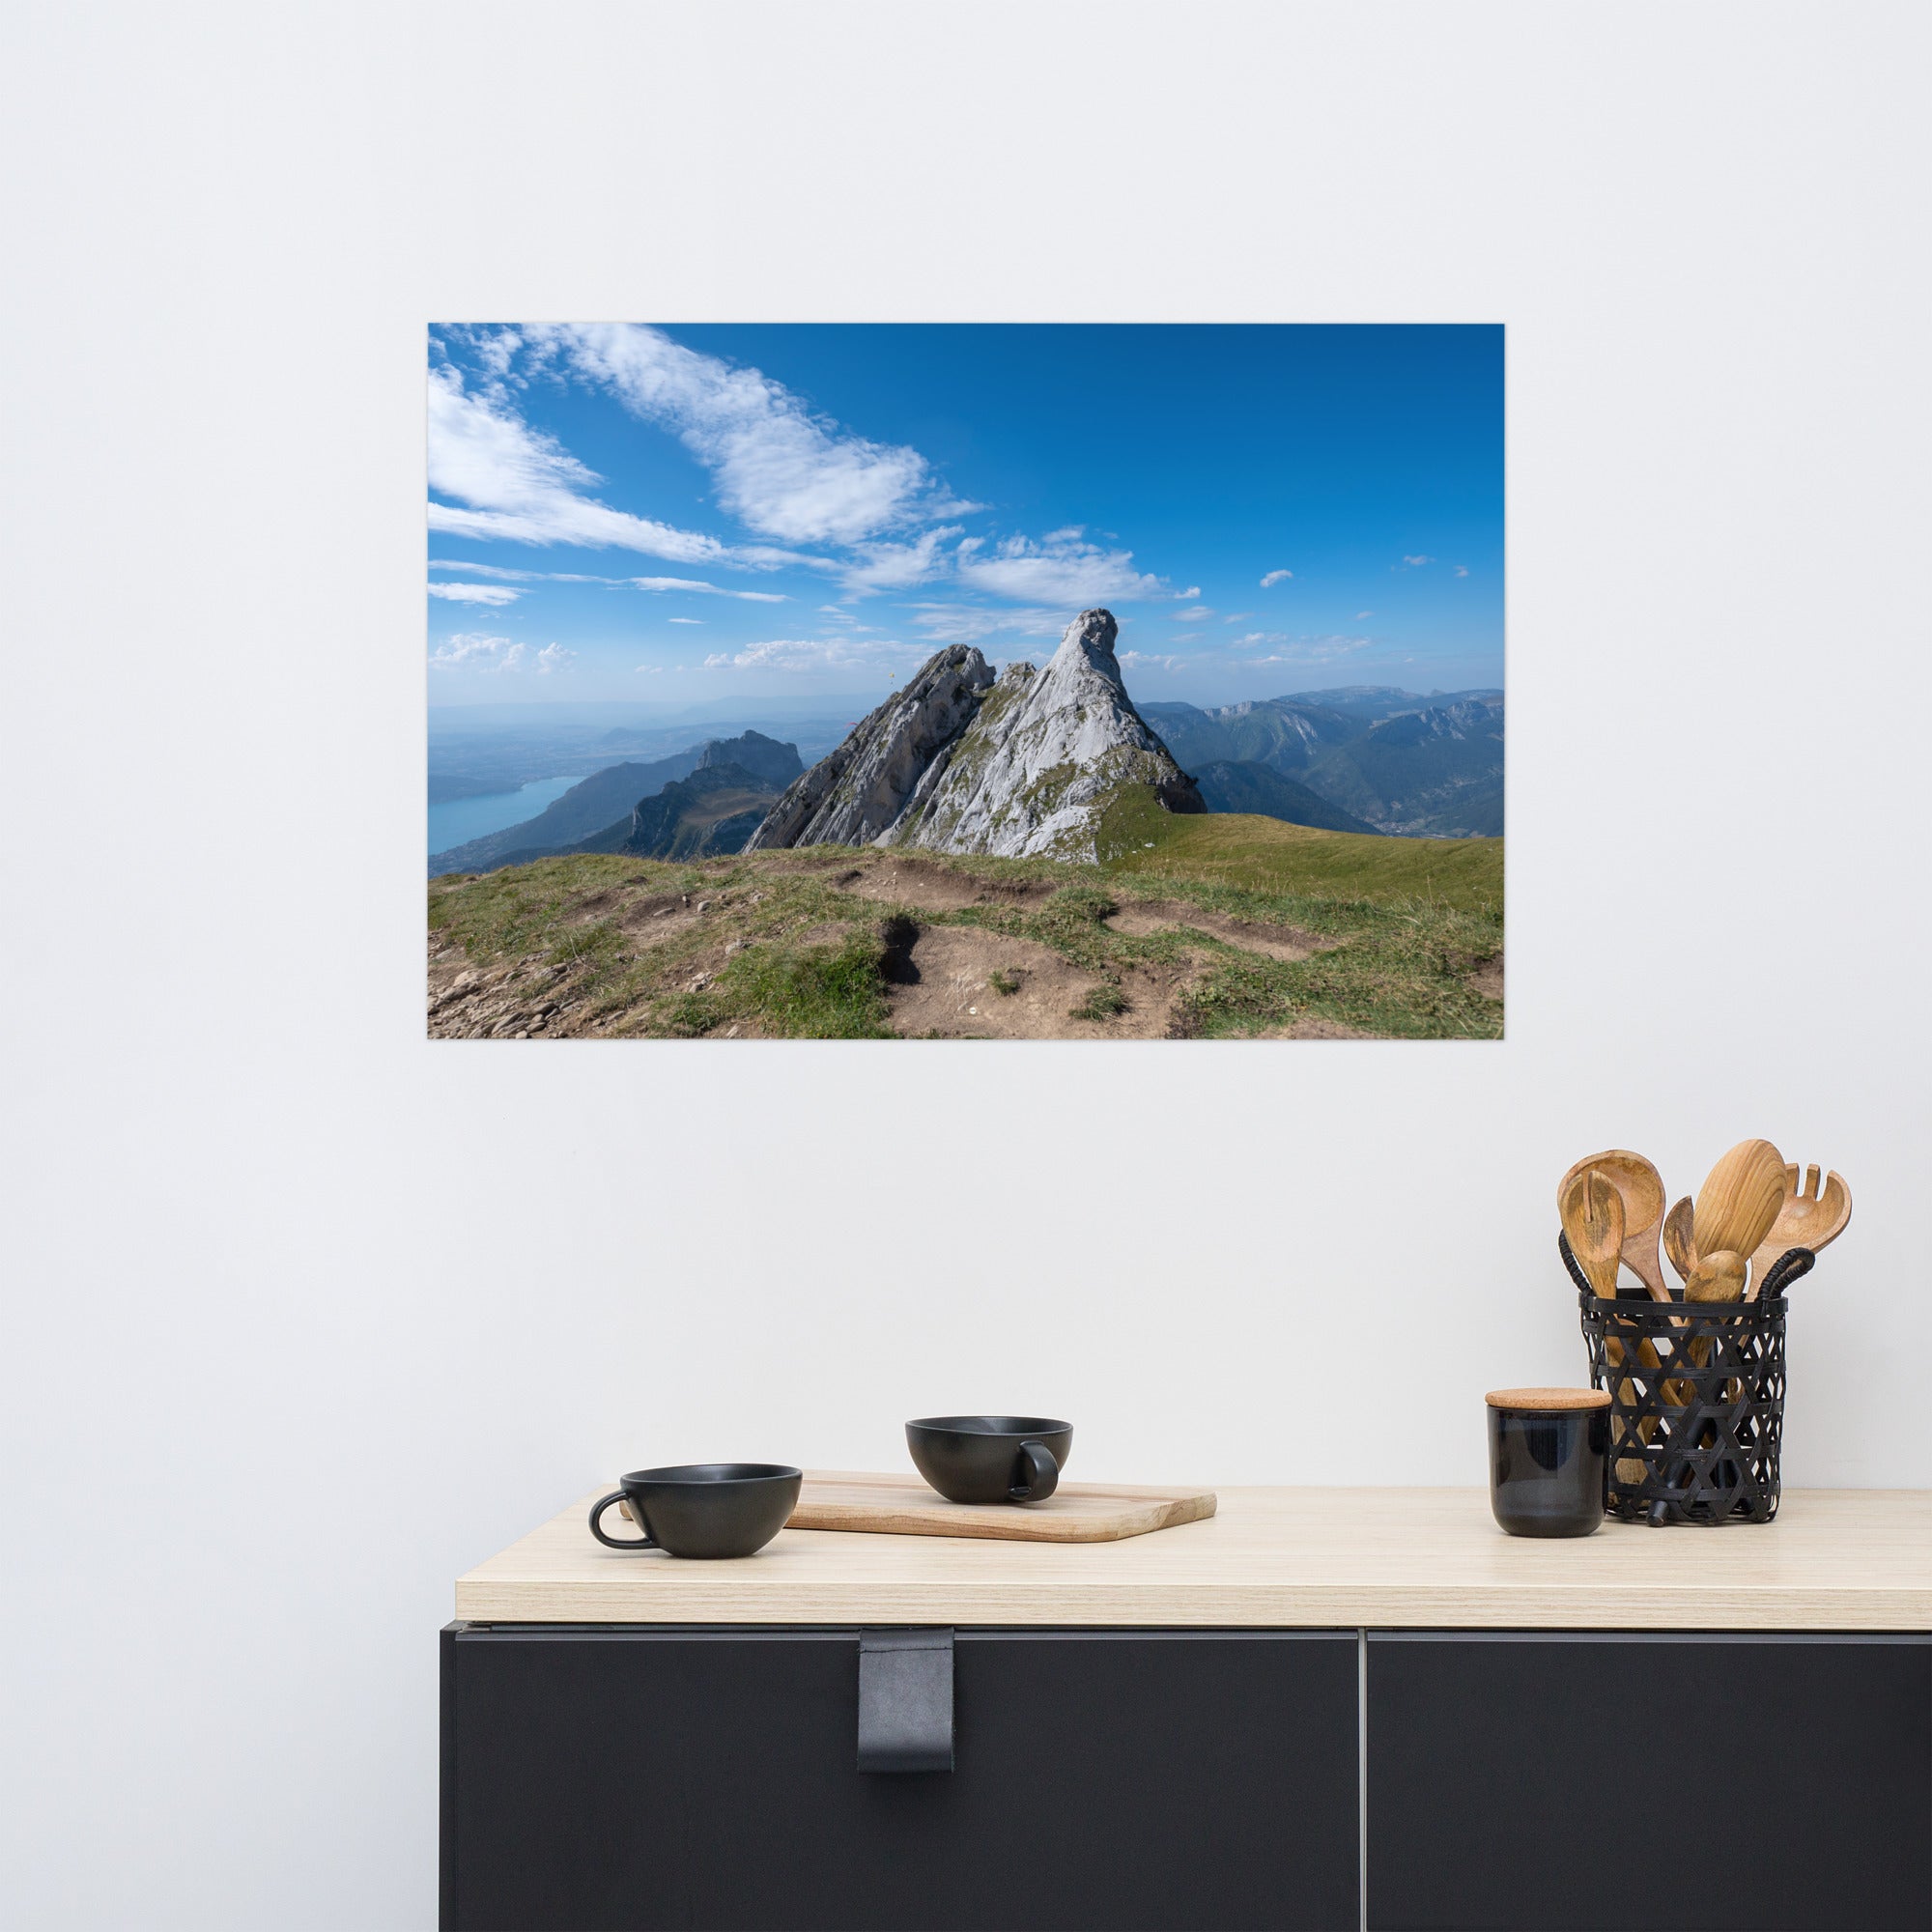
<point x="858" y="794"/>
<point x="774" y="761"/>
<point x="1021" y="766"/>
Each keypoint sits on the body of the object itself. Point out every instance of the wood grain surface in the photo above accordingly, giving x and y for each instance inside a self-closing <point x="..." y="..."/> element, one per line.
<point x="1843" y="1559"/>
<point x="898" y="1505"/>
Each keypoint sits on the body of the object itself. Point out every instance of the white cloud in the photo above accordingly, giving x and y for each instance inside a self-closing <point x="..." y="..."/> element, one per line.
<point x="1134" y="660"/>
<point x="476" y="650"/>
<point x="1238" y="616"/>
<point x="496" y="348"/>
<point x="684" y="620"/>
<point x="1059" y="569"/>
<point x="490" y="594"/>
<point x="1192" y="591"/>
<point x="1415" y="562"/>
<point x="969" y="623"/>
<point x="522" y="485"/>
<point x="1275" y="576"/>
<point x="898" y="566"/>
<point x="465" y="593"/>
<point x="818" y="654"/>
<point x="709" y="589"/>
<point x="1198" y="616"/>
<point x="1314" y="650"/>
<point x="521" y="576"/>
<point x="489" y="570"/>
<point x="780" y="469"/>
<point x="1461" y="570"/>
<point x="1360" y="616"/>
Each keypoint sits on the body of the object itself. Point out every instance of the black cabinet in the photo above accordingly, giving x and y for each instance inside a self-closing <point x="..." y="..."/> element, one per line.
<point x="1576" y="1782"/>
<point x="604" y="1777"/>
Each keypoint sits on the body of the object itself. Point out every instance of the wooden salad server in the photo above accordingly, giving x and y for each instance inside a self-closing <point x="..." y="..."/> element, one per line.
<point x="1809" y="1216"/>
<point x="1592" y="1211"/>
<point x="1641" y="1187"/>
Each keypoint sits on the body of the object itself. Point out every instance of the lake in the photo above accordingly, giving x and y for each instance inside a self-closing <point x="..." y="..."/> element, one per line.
<point x="462" y="819"/>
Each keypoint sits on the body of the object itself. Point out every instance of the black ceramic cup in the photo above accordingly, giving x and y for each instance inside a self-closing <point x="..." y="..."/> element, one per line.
<point x="1549" y="1459"/>
<point x="702" y="1509"/>
<point x="990" y="1459"/>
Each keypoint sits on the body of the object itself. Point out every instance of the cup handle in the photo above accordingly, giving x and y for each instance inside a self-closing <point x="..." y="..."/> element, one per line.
<point x="597" y="1510"/>
<point x="1041" y="1475"/>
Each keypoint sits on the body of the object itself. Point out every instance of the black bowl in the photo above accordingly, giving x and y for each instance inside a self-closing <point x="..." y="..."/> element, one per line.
<point x="990" y="1459"/>
<point x="703" y="1509"/>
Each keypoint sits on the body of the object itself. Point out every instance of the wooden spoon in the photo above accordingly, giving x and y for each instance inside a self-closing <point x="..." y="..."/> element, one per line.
<point x="1641" y="1187"/>
<point x="1717" y="1277"/>
<point x="1679" y="1239"/>
<point x="1739" y="1199"/>
<point x="1593" y="1218"/>
<point x="1809" y="1216"/>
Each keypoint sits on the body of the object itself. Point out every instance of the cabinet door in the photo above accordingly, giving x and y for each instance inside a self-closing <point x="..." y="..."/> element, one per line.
<point x="1620" y="1782"/>
<point x="603" y="1779"/>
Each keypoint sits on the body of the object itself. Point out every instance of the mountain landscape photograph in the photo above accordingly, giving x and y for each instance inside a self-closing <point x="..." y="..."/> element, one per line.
<point x="977" y="681"/>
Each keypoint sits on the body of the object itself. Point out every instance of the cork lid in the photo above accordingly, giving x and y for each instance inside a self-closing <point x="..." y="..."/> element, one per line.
<point x="1549" y="1400"/>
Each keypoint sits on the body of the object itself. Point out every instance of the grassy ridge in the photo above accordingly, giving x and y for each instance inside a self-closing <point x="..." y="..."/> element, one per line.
<point x="774" y="943"/>
<point x="1266" y="855"/>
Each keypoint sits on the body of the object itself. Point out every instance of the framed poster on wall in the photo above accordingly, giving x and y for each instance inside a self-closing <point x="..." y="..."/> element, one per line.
<point x="978" y="681"/>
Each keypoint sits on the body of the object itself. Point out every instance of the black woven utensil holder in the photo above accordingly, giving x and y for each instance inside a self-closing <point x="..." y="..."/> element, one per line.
<point x="1696" y="1399"/>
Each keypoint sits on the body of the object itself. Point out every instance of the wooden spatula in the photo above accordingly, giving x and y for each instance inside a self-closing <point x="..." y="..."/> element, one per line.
<point x="1641" y="1187"/>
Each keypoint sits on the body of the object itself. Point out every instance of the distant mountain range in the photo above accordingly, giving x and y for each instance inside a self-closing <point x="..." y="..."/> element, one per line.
<point x="1250" y="787"/>
<point x="1396" y="761"/>
<point x="498" y="748"/>
<point x="1362" y="759"/>
<point x="704" y="816"/>
<point x="601" y="813"/>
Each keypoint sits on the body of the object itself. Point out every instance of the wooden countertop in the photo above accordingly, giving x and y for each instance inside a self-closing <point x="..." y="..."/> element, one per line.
<point x="1835" y="1559"/>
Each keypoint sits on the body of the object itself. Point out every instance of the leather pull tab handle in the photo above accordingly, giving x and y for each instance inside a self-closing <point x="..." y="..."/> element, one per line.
<point x="905" y="1700"/>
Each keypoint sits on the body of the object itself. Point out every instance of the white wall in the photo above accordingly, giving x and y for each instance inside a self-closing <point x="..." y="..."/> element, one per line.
<point x="305" y="1315"/>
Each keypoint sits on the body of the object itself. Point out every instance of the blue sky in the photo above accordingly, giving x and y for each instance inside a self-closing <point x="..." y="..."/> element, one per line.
<point x="677" y="514"/>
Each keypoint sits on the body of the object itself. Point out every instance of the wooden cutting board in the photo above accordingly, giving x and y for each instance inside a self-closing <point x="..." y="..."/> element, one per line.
<point x="1075" y="1512"/>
